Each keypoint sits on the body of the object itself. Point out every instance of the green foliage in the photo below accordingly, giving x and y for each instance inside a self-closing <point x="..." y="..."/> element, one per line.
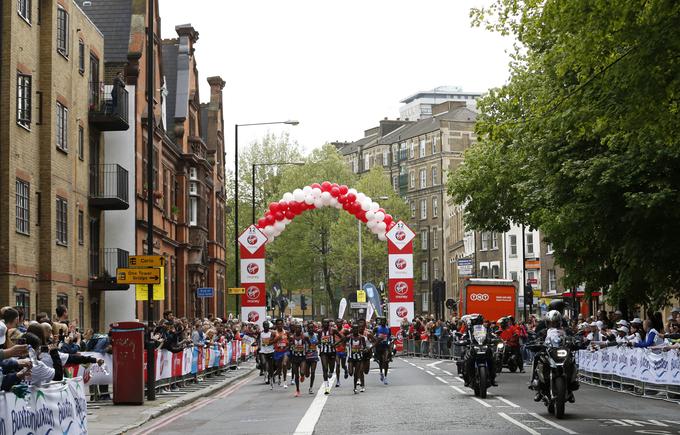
<point x="583" y="140"/>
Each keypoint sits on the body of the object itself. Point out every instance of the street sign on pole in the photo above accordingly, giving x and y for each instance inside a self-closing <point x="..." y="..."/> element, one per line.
<point x="237" y="290"/>
<point x="205" y="292"/>
<point x="138" y="276"/>
<point x="358" y="305"/>
<point x="361" y="296"/>
<point x="146" y="261"/>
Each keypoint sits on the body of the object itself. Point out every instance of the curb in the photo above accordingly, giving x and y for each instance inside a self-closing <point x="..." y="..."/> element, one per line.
<point x="181" y="402"/>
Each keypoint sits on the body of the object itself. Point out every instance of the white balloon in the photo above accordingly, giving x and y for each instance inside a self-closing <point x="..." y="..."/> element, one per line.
<point x="288" y="197"/>
<point x="370" y="224"/>
<point x="370" y="215"/>
<point x="365" y="205"/>
<point x="298" y="195"/>
<point x="338" y="205"/>
<point x="379" y="216"/>
<point x="316" y="192"/>
<point x="268" y="230"/>
<point x="326" y="196"/>
<point x="269" y="239"/>
<point x="382" y="226"/>
<point x="353" y="191"/>
<point x="307" y="190"/>
<point x="360" y="197"/>
<point x="382" y="237"/>
<point x="279" y="226"/>
<point x="318" y="203"/>
<point x="286" y="221"/>
<point x="374" y="206"/>
<point x="309" y="199"/>
<point x="369" y="199"/>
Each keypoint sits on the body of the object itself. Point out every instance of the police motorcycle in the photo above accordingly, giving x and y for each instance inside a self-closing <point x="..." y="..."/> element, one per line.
<point x="478" y="363"/>
<point x="503" y="354"/>
<point x="556" y="367"/>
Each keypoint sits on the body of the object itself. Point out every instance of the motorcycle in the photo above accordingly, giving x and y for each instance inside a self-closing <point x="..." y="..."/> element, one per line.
<point x="480" y="351"/>
<point x="505" y="357"/>
<point x="556" y="369"/>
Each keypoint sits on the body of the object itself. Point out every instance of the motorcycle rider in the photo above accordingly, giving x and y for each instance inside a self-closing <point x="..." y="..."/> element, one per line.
<point x="510" y="334"/>
<point x="468" y="361"/>
<point x="540" y="332"/>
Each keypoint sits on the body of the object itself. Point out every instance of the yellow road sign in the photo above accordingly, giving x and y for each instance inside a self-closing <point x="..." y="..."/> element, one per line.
<point x="138" y="276"/>
<point x="142" y="292"/>
<point x="361" y="296"/>
<point x="237" y="290"/>
<point x="146" y="261"/>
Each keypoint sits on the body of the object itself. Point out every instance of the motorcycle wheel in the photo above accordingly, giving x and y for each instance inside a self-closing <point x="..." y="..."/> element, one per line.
<point x="512" y="366"/>
<point x="482" y="382"/>
<point x="499" y="366"/>
<point x="560" y="397"/>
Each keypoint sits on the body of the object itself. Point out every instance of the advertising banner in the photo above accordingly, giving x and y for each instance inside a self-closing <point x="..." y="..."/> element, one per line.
<point x="645" y="365"/>
<point x="252" y="270"/>
<point x="400" y="311"/>
<point x="255" y="295"/>
<point x="400" y="265"/>
<point x="401" y="289"/>
<point x="254" y="314"/>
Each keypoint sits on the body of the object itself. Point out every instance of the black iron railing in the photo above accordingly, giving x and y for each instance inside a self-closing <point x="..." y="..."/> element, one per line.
<point x="109" y="182"/>
<point x="108" y="100"/>
<point x="105" y="261"/>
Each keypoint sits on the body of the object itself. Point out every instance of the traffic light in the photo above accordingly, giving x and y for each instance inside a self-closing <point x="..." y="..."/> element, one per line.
<point x="303" y="302"/>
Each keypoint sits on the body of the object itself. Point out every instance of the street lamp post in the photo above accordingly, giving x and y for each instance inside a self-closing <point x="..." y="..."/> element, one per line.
<point x="267" y="164"/>
<point x="236" y="229"/>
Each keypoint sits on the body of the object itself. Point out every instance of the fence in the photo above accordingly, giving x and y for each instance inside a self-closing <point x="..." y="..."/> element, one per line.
<point x="58" y="407"/>
<point x="643" y="372"/>
<point x="171" y="368"/>
<point x="431" y="348"/>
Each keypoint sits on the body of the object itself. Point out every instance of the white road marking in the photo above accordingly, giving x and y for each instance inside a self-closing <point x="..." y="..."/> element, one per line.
<point x="482" y="402"/>
<point x="429" y="372"/>
<point x="503" y="399"/>
<point x="459" y="379"/>
<point x="311" y="417"/>
<point x="441" y="380"/>
<point x="448" y="373"/>
<point x="460" y="390"/>
<point x="434" y="364"/>
<point x="552" y="423"/>
<point x="518" y="424"/>
<point x="420" y="368"/>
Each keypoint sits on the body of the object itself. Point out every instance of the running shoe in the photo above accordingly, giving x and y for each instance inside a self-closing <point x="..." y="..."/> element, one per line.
<point x="355" y="391"/>
<point x="328" y="391"/>
<point x="382" y="378"/>
<point x="285" y="385"/>
<point x="362" y="389"/>
<point x="385" y="381"/>
<point x="271" y="386"/>
<point x="346" y="374"/>
<point x="310" y="390"/>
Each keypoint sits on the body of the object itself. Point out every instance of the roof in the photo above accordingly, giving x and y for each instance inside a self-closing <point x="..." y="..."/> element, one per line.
<point x="112" y="18"/>
<point x="428" y="125"/>
<point x="440" y="91"/>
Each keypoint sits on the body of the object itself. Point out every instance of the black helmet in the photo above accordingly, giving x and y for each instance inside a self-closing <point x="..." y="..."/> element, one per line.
<point x="475" y="319"/>
<point x="557" y="305"/>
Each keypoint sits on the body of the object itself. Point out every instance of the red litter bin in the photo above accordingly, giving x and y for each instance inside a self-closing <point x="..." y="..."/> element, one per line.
<point x="127" y="340"/>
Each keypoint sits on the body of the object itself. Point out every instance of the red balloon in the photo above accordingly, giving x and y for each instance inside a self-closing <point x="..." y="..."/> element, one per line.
<point x="273" y="207"/>
<point x="343" y="189"/>
<point x="334" y="185"/>
<point x="289" y="214"/>
<point x="382" y="210"/>
<point x="342" y="199"/>
<point x="356" y="207"/>
<point x="335" y="192"/>
<point x="325" y="186"/>
<point x="295" y="207"/>
<point x="346" y="206"/>
<point x="351" y="197"/>
<point x="278" y="216"/>
<point x="269" y="219"/>
<point x="362" y="216"/>
<point x="388" y="219"/>
<point x="315" y="186"/>
<point x="262" y="222"/>
<point x="391" y="225"/>
<point x="283" y="206"/>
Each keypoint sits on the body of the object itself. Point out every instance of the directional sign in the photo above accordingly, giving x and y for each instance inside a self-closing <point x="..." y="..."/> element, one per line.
<point x="237" y="290"/>
<point x="358" y="305"/>
<point x="146" y="261"/>
<point x="158" y="294"/>
<point x="205" y="292"/>
<point x="138" y="276"/>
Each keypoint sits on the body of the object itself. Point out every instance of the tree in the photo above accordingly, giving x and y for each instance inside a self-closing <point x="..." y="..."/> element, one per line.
<point x="582" y="142"/>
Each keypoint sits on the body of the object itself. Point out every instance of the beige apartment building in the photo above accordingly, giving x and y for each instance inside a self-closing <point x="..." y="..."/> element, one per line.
<point x="53" y="191"/>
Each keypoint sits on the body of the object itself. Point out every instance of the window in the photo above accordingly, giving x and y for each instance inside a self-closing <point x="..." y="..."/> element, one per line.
<point x="367" y="162"/>
<point x="423" y="178"/>
<point x="62" y="31"/>
<point x="484" y="272"/>
<point x="435" y="239"/>
<point x="24" y="9"/>
<point x="23" y="207"/>
<point x="513" y="245"/>
<point x="62" y="221"/>
<point x="22" y="302"/>
<point x="435" y="269"/>
<point x="550" y="248"/>
<point x="62" y="127"/>
<point x="434" y="145"/>
<point x="423" y="239"/>
<point x="386" y="157"/>
<point x="435" y="206"/>
<point x="421" y="150"/>
<point x="530" y="244"/>
<point x="513" y="276"/>
<point x="485" y="240"/>
<point x="81" y="142"/>
<point x="435" y="177"/>
<point x="425" y="301"/>
<point x="23" y="100"/>
<point x="395" y="183"/>
<point x="62" y="299"/>
<point x="413" y="209"/>
<point x="494" y="240"/>
<point x="552" y="281"/>
<point x="423" y="269"/>
<point x="81" y="57"/>
<point x="495" y="271"/>
<point x="423" y="208"/>
<point x="193" y="211"/>
<point x="412" y="152"/>
<point x="81" y="227"/>
<point x="531" y="278"/>
<point x="413" y="180"/>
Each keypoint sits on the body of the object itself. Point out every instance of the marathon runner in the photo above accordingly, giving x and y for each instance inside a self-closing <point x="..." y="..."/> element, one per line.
<point x="383" y="347"/>
<point x="267" y="354"/>
<point x="357" y="345"/>
<point x="297" y="351"/>
<point x="327" y="352"/>
<point x="370" y="340"/>
<point x="280" y="342"/>
<point x="311" y="354"/>
<point x="341" y="351"/>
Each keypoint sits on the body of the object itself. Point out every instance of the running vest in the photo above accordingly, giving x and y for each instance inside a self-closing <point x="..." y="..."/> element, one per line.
<point x="357" y="345"/>
<point x="265" y="339"/>
<point x="312" y="346"/>
<point x="383" y="334"/>
<point x="326" y="342"/>
<point x="282" y="344"/>
<point x="297" y="347"/>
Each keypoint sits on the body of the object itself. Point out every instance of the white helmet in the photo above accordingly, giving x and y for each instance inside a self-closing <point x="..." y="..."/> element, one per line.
<point x="554" y="317"/>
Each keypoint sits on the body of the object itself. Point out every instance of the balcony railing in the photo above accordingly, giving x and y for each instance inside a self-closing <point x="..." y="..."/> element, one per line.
<point x="109" y="187"/>
<point x="103" y="265"/>
<point x="108" y="107"/>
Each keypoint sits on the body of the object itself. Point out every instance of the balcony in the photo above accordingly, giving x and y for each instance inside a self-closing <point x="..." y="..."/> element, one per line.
<point x="108" y="108"/>
<point x="109" y="187"/>
<point x="103" y="265"/>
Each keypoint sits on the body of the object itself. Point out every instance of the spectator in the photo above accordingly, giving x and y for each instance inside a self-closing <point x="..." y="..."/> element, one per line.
<point x="62" y="314"/>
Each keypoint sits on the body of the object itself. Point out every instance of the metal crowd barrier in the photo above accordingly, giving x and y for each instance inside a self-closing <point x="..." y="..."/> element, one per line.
<point x="670" y="393"/>
<point x="432" y="348"/>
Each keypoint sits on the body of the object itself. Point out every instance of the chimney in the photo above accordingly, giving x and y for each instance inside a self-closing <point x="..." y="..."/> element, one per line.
<point x="216" y="85"/>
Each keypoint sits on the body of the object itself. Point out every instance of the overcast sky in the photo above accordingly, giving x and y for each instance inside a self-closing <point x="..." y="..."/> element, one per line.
<point x="336" y="66"/>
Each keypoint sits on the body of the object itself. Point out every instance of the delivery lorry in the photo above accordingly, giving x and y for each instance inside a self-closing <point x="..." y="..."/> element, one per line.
<point x="492" y="298"/>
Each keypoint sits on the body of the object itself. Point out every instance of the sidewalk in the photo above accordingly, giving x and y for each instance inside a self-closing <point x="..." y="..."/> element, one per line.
<point x="105" y="418"/>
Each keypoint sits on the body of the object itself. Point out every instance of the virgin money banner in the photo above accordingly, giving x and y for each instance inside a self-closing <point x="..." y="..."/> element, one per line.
<point x="400" y="311"/>
<point x="254" y="314"/>
<point x="643" y="365"/>
<point x="252" y="270"/>
<point x="400" y="265"/>
<point x="401" y="289"/>
<point x="255" y="296"/>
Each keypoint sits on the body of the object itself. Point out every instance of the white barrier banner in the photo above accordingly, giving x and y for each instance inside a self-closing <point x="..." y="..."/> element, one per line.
<point x="645" y="365"/>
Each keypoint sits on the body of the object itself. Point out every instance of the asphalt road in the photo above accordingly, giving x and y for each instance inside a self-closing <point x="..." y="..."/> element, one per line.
<point x="424" y="396"/>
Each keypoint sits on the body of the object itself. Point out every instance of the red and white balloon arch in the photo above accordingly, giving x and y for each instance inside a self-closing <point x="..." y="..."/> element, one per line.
<point x="326" y="194"/>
